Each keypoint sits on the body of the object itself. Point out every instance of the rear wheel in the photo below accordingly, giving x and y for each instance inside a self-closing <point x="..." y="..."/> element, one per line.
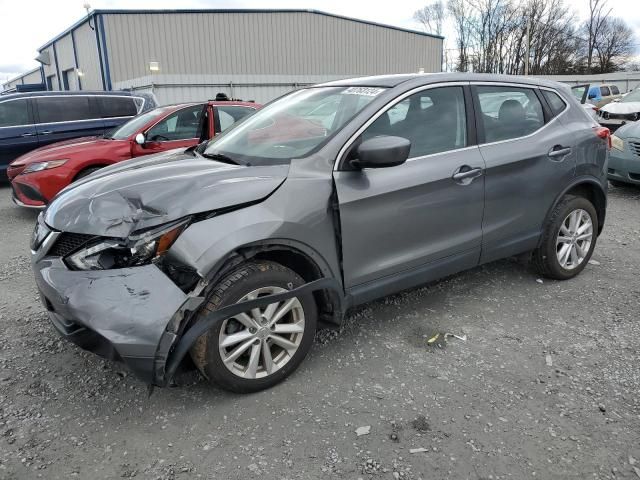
<point x="568" y="239"/>
<point x="259" y="348"/>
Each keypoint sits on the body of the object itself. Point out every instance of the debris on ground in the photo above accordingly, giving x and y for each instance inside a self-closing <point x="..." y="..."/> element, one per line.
<point x="421" y="424"/>
<point x="539" y="280"/>
<point x="439" y="339"/>
<point x="363" y="430"/>
<point x="602" y="407"/>
<point x="418" y="450"/>
<point x="549" y="360"/>
<point x="594" y="262"/>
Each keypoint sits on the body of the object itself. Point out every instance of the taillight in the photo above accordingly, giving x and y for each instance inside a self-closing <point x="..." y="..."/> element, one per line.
<point x="604" y="133"/>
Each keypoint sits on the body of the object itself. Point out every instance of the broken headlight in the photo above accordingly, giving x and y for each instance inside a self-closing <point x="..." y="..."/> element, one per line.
<point x="139" y="249"/>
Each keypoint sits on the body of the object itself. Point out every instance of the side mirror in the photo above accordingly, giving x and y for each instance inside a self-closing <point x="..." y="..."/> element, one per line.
<point x="140" y="139"/>
<point x="380" y="152"/>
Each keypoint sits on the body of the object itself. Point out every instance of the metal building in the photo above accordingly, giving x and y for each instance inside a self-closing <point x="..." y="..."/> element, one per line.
<point x="184" y="55"/>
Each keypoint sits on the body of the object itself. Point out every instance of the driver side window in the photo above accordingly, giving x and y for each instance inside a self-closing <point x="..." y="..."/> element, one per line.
<point x="181" y="125"/>
<point x="433" y="120"/>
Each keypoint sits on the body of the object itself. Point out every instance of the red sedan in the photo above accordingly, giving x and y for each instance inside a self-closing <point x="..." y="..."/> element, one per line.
<point x="39" y="175"/>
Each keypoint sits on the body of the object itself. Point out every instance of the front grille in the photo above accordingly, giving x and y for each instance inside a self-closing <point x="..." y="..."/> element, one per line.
<point x="635" y="148"/>
<point x="68" y="243"/>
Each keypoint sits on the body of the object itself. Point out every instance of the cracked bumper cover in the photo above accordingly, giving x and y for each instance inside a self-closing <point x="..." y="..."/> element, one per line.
<point x="119" y="314"/>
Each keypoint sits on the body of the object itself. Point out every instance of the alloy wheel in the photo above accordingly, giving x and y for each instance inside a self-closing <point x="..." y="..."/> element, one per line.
<point x="574" y="239"/>
<point x="259" y="342"/>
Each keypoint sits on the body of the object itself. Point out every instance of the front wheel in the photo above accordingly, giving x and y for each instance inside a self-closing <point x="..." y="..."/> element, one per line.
<point x="259" y="348"/>
<point x="568" y="239"/>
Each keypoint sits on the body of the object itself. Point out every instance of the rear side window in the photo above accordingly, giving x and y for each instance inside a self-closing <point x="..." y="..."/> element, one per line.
<point x="614" y="90"/>
<point x="64" y="109"/>
<point x="14" y="113"/>
<point x="227" y="116"/>
<point x="117" y="107"/>
<point x="433" y="120"/>
<point x="604" y="91"/>
<point x="509" y="112"/>
<point x="556" y="103"/>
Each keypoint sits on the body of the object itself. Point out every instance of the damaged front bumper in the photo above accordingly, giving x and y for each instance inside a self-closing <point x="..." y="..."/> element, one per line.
<point x="119" y="314"/>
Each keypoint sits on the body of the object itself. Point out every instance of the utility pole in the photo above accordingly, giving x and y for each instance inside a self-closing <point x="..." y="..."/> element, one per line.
<point x="526" y="58"/>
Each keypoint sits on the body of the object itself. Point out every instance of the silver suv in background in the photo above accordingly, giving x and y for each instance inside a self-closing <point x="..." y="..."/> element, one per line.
<point x="233" y="252"/>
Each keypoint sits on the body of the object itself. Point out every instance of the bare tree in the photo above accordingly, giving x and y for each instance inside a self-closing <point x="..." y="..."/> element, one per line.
<point x="431" y="17"/>
<point x="460" y="12"/>
<point x="598" y="14"/>
<point x="614" y="45"/>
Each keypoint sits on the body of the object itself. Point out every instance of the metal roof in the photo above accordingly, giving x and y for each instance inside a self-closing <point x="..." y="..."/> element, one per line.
<point x="93" y="13"/>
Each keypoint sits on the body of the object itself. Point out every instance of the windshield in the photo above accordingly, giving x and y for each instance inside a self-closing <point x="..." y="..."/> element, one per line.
<point x="293" y="126"/>
<point x="632" y="96"/>
<point x="125" y="130"/>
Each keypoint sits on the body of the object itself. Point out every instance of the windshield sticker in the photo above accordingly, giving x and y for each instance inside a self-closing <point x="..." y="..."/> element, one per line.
<point x="367" y="91"/>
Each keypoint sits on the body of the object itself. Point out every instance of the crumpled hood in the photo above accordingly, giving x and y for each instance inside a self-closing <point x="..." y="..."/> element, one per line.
<point x="59" y="150"/>
<point x="156" y="189"/>
<point x="621" y="107"/>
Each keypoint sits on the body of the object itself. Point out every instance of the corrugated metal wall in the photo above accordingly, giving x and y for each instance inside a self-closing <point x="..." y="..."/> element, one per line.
<point x="262" y="54"/>
<point x="88" y="60"/>
<point x="32" y="76"/>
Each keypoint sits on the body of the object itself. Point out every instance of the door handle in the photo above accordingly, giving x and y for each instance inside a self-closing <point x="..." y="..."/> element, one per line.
<point x="45" y="132"/>
<point x="27" y="135"/>
<point x="466" y="174"/>
<point x="559" y="151"/>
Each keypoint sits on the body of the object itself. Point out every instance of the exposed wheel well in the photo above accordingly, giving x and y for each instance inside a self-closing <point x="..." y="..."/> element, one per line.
<point x="596" y="196"/>
<point x="328" y="302"/>
<point x="89" y="167"/>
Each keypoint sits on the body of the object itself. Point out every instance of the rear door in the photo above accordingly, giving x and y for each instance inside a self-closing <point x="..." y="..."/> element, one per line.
<point x="226" y="115"/>
<point x="117" y="110"/>
<point x="17" y="131"/>
<point x="66" y="116"/>
<point x="529" y="156"/>
<point x="397" y="221"/>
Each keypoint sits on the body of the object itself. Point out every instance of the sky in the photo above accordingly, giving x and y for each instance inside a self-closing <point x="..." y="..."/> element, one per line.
<point x="26" y="25"/>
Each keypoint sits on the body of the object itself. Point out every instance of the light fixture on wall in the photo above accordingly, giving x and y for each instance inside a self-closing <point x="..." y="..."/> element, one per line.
<point x="154" y="66"/>
<point x="79" y="72"/>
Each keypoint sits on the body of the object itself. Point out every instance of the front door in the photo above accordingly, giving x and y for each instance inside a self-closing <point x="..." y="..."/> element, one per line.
<point x="397" y="221"/>
<point x="181" y="129"/>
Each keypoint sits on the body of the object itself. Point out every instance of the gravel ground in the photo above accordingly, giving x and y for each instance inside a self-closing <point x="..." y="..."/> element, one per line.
<point x="544" y="386"/>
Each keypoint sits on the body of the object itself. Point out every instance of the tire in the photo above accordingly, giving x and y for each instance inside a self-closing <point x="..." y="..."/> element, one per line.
<point x="263" y="277"/>
<point x="545" y="258"/>
<point x="86" y="172"/>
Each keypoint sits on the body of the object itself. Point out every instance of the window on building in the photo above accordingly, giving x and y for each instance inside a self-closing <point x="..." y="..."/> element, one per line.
<point x="180" y="125"/>
<point x="556" y="103"/>
<point x="14" y="113"/>
<point x="64" y="109"/>
<point x="117" y="106"/>
<point x="67" y="77"/>
<point x="509" y="112"/>
<point x="433" y="120"/>
<point x="51" y="82"/>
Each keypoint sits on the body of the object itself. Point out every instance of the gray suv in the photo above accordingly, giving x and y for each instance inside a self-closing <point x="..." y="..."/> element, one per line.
<point x="232" y="253"/>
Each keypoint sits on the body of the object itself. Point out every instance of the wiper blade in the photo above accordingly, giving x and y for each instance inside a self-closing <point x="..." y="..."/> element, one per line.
<point x="220" y="157"/>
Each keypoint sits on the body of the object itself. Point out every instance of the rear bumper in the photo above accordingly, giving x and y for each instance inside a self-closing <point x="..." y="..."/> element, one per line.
<point x="118" y="314"/>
